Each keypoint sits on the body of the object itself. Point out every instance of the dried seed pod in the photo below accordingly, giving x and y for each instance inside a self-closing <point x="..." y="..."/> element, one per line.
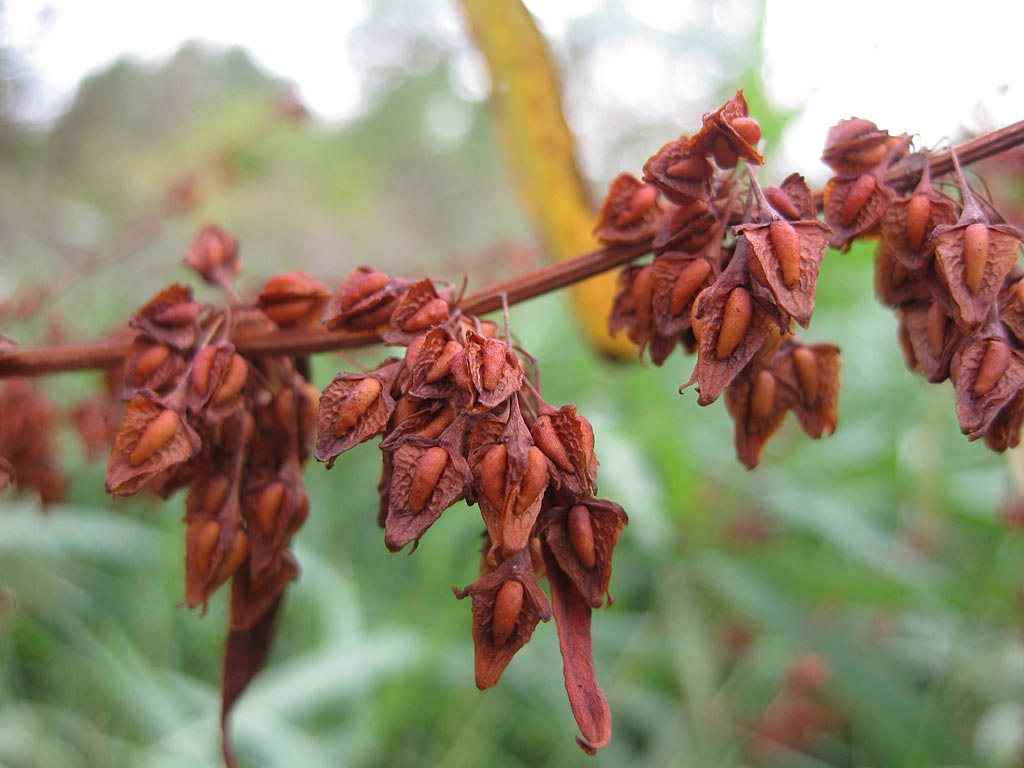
<point x="429" y="468"/>
<point x="974" y="259"/>
<point x="425" y="480"/>
<point x="788" y="255"/>
<point x="154" y="437"/>
<point x="420" y="308"/>
<point x="687" y="285"/>
<point x="630" y="211"/>
<point x="993" y="366"/>
<point x="294" y="299"/>
<point x="363" y="302"/>
<point x="735" y="322"/>
<point x="854" y="205"/>
<point x="680" y="174"/>
<point x="567" y="440"/>
<point x="757" y="404"/>
<point x="581" y="535"/>
<point x="508" y="605"/>
<point x="817" y="404"/>
<point x="170" y="318"/>
<point x="808" y="375"/>
<point x="151" y="439"/>
<point x="988" y="374"/>
<point x="729" y="133"/>
<point x="361" y="284"/>
<point x="856" y="145"/>
<point x="763" y="395"/>
<point x="714" y="372"/>
<point x="353" y="409"/>
<point x="504" y="615"/>
<point x="976" y="244"/>
<point x="214" y="255"/>
<point x="687" y="227"/>
<point x="487" y="372"/>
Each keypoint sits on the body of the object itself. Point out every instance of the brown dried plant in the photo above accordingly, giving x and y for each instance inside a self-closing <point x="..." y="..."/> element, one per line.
<point x="218" y="401"/>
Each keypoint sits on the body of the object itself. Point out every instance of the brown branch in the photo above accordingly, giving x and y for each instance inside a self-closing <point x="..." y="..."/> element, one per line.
<point x="305" y="341"/>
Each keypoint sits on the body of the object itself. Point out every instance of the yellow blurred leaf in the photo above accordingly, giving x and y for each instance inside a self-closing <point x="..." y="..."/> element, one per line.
<point x="539" y="151"/>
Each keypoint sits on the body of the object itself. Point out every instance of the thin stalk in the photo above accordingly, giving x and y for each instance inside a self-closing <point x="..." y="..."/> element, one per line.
<point x="298" y="342"/>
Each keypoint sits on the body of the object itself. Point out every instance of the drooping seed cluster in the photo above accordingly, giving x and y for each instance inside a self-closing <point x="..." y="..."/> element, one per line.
<point x="734" y="266"/>
<point x="947" y="262"/>
<point x="234" y="430"/>
<point x="462" y="419"/>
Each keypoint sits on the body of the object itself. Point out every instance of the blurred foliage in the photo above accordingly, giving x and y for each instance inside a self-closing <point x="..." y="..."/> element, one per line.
<point x="880" y="554"/>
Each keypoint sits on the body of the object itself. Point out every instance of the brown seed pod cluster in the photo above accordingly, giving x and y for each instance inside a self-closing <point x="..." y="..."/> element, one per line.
<point x="734" y="267"/>
<point x="233" y="430"/>
<point x="947" y="263"/>
<point x="462" y="419"/>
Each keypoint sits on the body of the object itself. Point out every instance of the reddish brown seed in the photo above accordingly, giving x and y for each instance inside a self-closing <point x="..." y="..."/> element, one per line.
<point x="808" y="375"/>
<point x="361" y="286"/>
<point x="748" y="128"/>
<point x="919" y="211"/>
<point x="856" y="199"/>
<point x="640" y="203"/>
<point x="289" y="311"/>
<point x="215" y="494"/>
<point x="234" y="380"/>
<point x="787" y="249"/>
<point x="643" y="295"/>
<point x="284" y="408"/>
<point x="508" y="604"/>
<point x="357" y="402"/>
<point x="534" y="482"/>
<point x="691" y="169"/>
<point x="428" y="472"/>
<point x="268" y="507"/>
<point x="149" y="361"/>
<point x="762" y="396"/>
<point x="234" y="558"/>
<point x="492" y="474"/>
<point x="493" y="363"/>
<point x="993" y="366"/>
<point x="868" y="156"/>
<point x="434" y="312"/>
<point x="936" y="323"/>
<point x="443" y="364"/>
<point x="439" y="423"/>
<point x="545" y="437"/>
<point x="202" y="364"/>
<point x="724" y="154"/>
<point x="184" y="313"/>
<point x="975" y="255"/>
<point x="412" y="352"/>
<point x="581" y="535"/>
<point x="154" y="437"/>
<point x="739" y="308"/>
<point x="782" y="202"/>
<point x="207" y="536"/>
<point x="688" y="284"/>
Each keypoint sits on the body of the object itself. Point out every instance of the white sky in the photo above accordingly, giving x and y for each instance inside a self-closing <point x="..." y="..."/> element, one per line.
<point x="924" y="67"/>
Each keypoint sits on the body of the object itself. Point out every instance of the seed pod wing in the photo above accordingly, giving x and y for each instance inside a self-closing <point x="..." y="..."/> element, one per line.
<point x="790" y="264"/>
<point x="148" y="443"/>
<point x="493" y="657"/>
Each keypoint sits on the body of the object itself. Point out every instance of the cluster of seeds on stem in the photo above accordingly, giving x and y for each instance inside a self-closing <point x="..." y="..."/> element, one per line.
<point x="462" y="418"/>
<point x="946" y="261"/>
<point x="234" y="430"/>
<point x="734" y="268"/>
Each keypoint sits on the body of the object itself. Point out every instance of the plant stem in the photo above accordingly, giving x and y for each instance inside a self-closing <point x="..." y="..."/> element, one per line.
<point x="297" y="342"/>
